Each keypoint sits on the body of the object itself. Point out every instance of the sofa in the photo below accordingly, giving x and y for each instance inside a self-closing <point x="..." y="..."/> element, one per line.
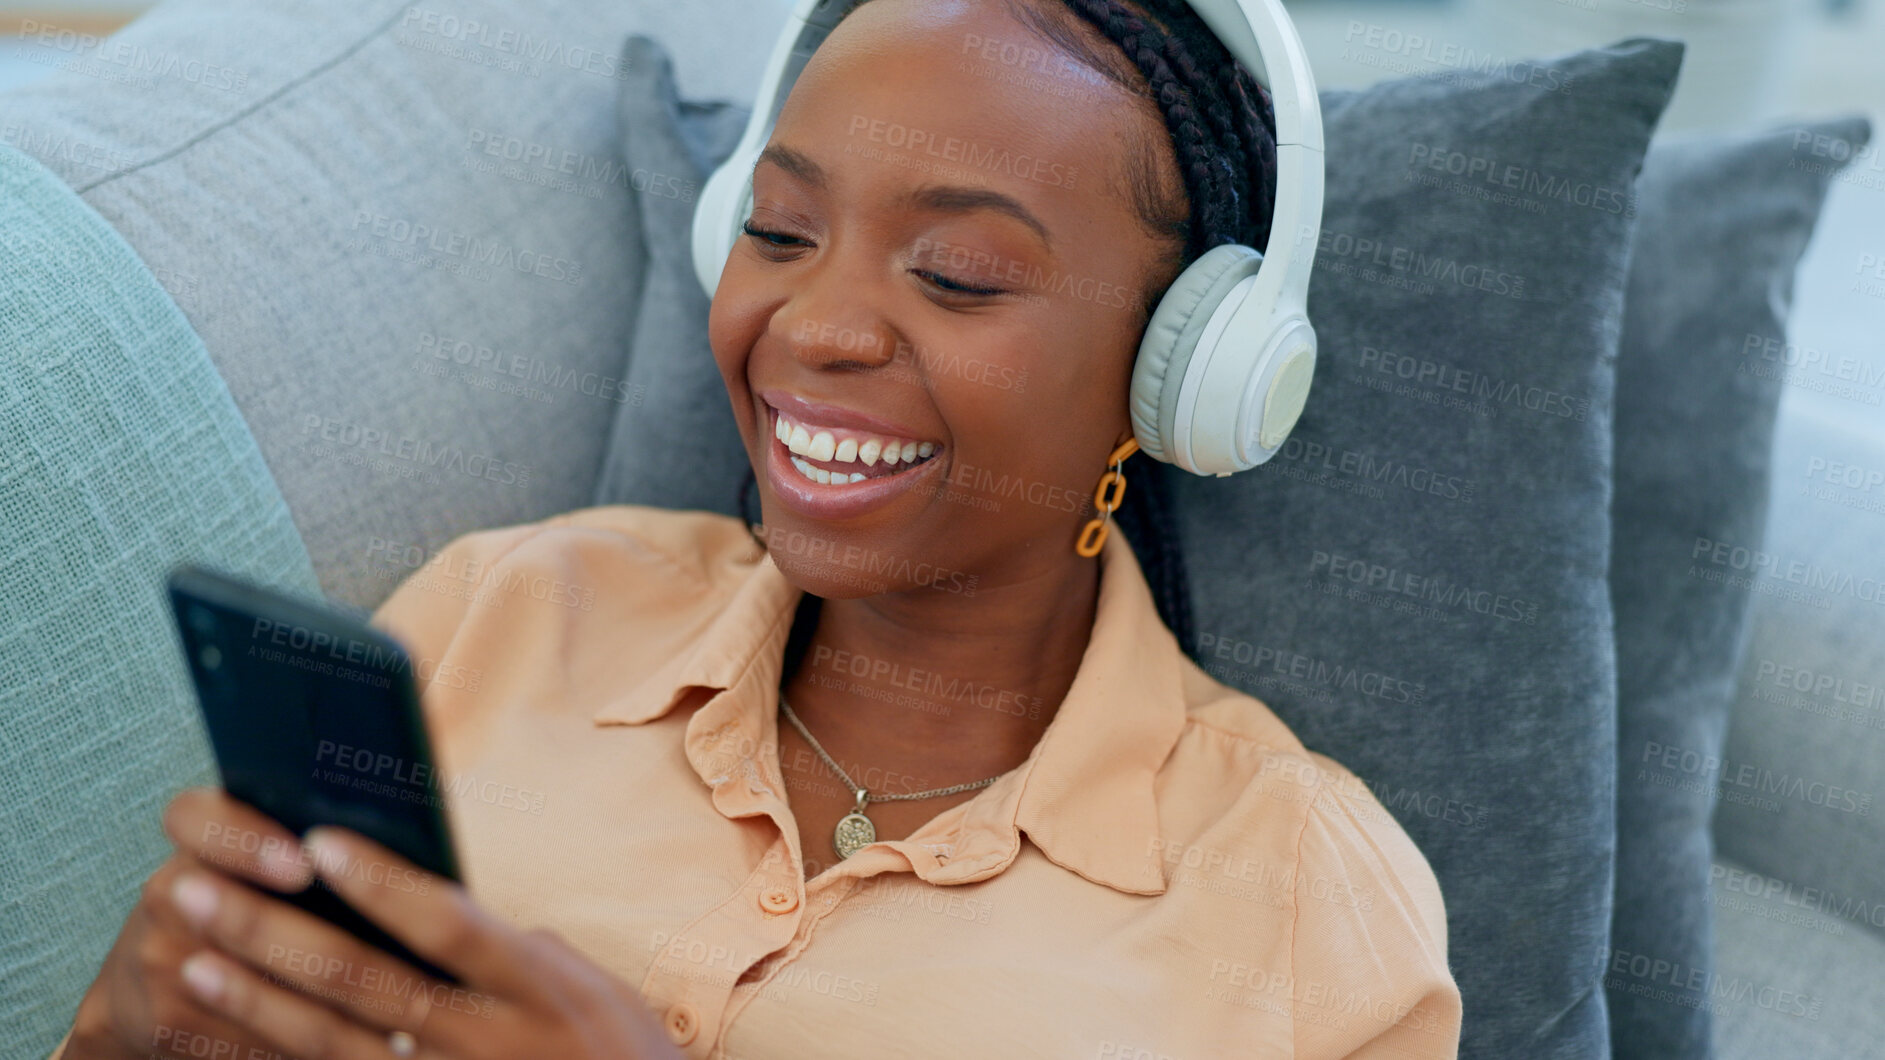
<point x="256" y="257"/>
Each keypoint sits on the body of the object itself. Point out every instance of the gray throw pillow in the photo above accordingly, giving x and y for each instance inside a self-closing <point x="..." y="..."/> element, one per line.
<point x="1723" y="224"/>
<point x="1416" y="583"/>
<point x="1453" y="463"/>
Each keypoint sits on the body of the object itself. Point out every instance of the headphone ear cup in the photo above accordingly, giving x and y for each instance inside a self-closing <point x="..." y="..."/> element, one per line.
<point x="1171" y="338"/>
<point x="718" y="214"/>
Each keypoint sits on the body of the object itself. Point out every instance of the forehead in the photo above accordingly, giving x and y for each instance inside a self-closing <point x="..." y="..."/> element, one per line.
<point x="960" y="92"/>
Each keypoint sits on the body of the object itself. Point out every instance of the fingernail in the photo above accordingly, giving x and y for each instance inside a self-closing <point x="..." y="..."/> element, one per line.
<point x="195" y="898"/>
<point x="319" y="844"/>
<point x="204" y="978"/>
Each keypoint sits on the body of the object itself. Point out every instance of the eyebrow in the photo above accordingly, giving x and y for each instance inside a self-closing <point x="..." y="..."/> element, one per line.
<point x="939" y="198"/>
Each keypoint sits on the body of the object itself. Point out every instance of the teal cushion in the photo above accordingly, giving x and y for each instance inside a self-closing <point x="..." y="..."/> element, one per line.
<point x="121" y="455"/>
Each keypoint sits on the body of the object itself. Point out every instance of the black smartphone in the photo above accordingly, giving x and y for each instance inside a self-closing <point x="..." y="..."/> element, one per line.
<point x="314" y="718"/>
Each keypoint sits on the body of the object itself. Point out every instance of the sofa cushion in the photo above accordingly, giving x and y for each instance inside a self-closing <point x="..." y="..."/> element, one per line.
<point x="121" y="455"/>
<point x="1723" y="223"/>
<point x="403" y="232"/>
<point x="1795" y="974"/>
<point x="1486" y="726"/>
<point x="1799" y="793"/>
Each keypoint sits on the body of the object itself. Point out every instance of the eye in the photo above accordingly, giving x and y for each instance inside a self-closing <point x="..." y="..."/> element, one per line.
<point x="769" y="237"/>
<point x="957" y="287"/>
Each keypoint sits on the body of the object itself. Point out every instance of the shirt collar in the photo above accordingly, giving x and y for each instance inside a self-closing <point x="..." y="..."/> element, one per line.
<point x="1085" y="795"/>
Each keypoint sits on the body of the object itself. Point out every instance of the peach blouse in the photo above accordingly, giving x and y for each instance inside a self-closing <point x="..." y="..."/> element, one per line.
<point x="1169" y="875"/>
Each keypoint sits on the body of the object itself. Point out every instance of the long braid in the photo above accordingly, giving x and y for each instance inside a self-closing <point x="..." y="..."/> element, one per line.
<point x="1223" y="129"/>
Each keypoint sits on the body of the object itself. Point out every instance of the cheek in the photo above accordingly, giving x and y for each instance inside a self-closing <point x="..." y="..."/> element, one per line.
<point x="735" y="322"/>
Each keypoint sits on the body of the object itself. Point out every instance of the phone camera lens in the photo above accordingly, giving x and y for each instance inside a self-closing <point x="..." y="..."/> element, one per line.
<point x="211" y="656"/>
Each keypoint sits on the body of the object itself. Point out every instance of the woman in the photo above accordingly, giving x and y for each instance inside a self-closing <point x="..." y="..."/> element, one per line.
<point x="903" y="769"/>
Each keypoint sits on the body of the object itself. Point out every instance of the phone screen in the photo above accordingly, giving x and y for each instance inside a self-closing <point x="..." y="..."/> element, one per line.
<point x="314" y="717"/>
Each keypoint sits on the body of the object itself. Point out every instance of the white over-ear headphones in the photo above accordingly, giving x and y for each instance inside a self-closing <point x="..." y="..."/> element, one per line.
<point x="1228" y="355"/>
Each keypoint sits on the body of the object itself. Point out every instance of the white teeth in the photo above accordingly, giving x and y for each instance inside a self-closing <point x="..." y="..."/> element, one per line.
<point x="826" y="478"/>
<point x="800" y="441"/>
<point x="825" y="446"/>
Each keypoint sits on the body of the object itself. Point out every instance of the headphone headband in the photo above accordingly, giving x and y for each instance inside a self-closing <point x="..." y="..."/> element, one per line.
<point x="1258" y="33"/>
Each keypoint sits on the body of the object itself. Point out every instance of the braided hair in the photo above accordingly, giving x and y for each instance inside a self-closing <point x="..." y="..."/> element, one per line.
<point x="1222" y="128"/>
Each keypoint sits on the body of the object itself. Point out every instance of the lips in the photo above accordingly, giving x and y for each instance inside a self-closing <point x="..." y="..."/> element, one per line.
<point x="863" y="461"/>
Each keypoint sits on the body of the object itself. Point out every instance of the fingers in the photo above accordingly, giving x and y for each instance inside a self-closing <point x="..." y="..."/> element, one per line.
<point x="236" y="838"/>
<point x="295" y="949"/>
<point x="433" y="916"/>
<point x="139" y="1001"/>
<point x="300" y="1026"/>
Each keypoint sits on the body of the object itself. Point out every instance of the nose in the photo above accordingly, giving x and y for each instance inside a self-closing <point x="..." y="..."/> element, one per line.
<point x="831" y="322"/>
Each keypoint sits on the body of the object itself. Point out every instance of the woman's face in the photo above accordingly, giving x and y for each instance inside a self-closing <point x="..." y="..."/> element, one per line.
<point x="949" y="262"/>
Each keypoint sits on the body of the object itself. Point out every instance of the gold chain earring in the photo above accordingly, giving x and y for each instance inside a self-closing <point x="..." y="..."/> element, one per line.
<point x="1106" y="497"/>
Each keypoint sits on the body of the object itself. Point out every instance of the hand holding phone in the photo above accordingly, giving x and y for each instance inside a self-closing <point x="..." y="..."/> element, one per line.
<point x="315" y="720"/>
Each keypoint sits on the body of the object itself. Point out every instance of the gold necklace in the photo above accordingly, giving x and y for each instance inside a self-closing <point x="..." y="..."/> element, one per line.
<point x="855" y="830"/>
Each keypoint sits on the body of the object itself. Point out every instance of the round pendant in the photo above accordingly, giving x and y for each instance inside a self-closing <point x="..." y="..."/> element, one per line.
<point x="854" y="831"/>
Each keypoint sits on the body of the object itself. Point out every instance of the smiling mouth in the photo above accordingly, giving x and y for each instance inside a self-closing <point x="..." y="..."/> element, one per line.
<point x="833" y="456"/>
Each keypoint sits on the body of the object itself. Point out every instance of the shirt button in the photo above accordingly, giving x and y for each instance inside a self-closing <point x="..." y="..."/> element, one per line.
<point x="778" y="900"/>
<point x="682" y="1024"/>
